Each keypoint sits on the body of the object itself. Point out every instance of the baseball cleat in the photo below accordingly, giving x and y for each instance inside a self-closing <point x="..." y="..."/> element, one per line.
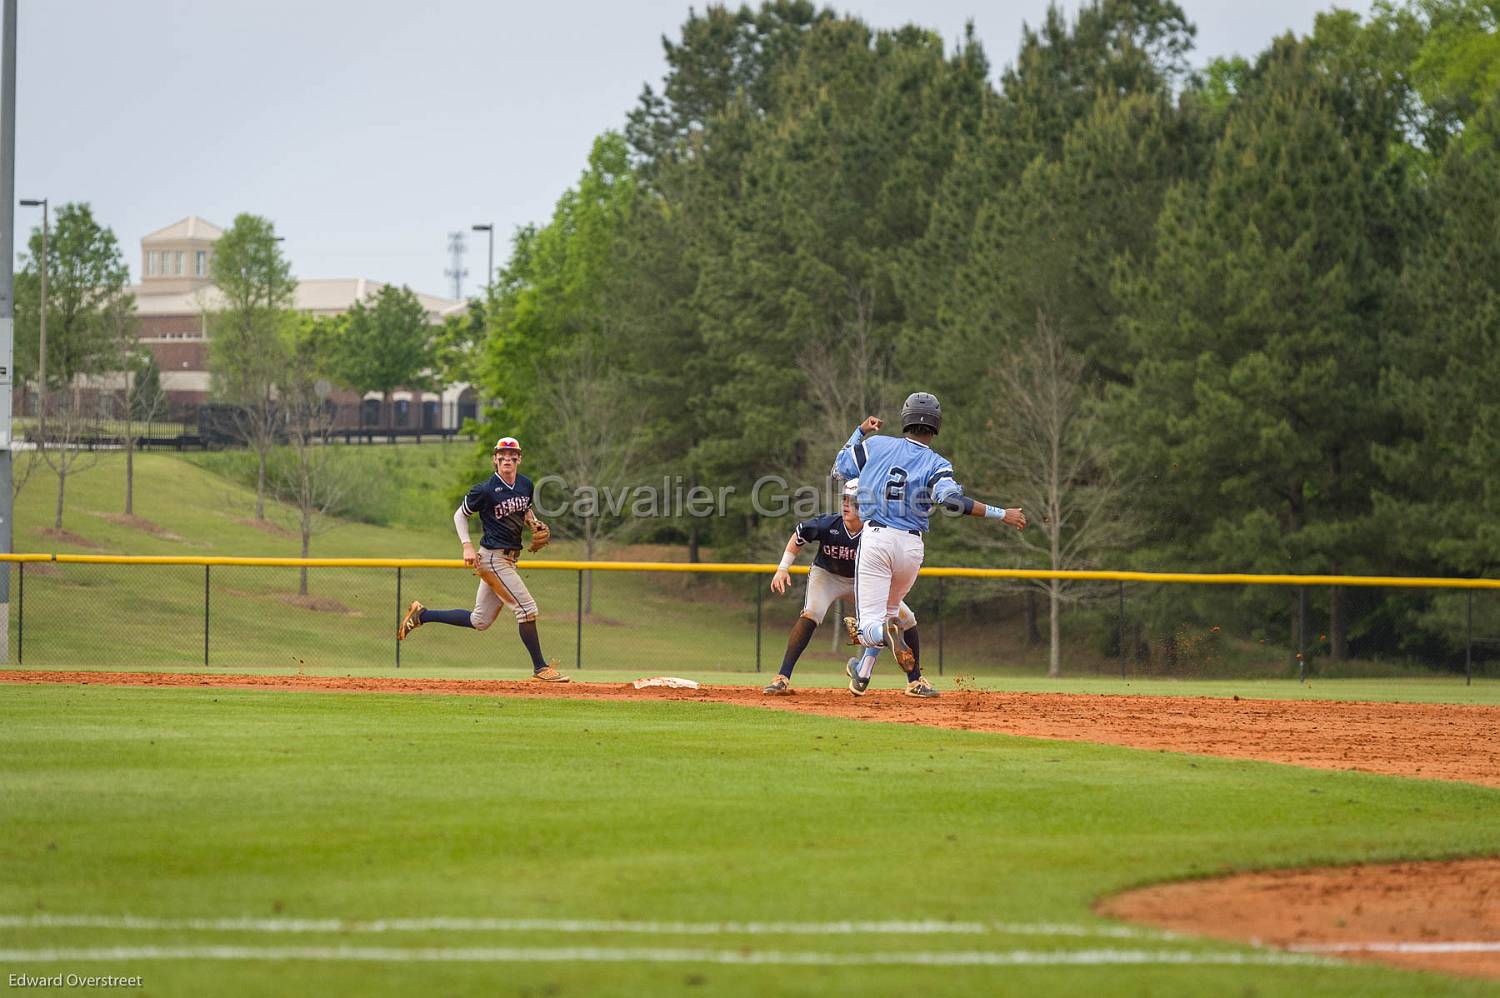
<point x="921" y="688"/>
<point x="411" y="621"/>
<point x="547" y="674"/>
<point x="779" y="687"/>
<point x="897" y="642"/>
<point x="851" y="625"/>
<point x="857" y="686"/>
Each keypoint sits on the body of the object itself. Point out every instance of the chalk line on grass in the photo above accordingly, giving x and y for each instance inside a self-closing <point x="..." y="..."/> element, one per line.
<point x="575" y="925"/>
<point x="1398" y="947"/>
<point x="1004" y="958"/>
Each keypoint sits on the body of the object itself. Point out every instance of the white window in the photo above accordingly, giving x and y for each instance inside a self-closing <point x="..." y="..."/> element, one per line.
<point x="201" y="267"/>
<point x="181" y="268"/>
<point x="151" y="263"/>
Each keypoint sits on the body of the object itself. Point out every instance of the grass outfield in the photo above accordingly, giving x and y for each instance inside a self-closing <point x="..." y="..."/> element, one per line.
<point x="187" y="804"/>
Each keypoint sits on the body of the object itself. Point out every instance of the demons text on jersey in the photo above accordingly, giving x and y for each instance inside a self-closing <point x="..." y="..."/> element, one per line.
<point x="516" y="504"/>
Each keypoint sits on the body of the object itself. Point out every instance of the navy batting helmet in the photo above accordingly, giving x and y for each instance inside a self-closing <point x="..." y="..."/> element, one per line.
<point x="921" y="409"/>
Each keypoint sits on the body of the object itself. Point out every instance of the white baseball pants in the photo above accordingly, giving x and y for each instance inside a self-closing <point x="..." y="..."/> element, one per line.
<point x="885" y="568"/>
<point x="823" y="587"/>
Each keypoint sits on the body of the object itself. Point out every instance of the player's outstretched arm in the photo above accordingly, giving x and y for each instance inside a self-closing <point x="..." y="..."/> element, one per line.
<point x="1016" y="517"/>
<point x="951" y="495"/>
<point x="461" y="524"/>
<point x="851" y="459"/>
<point x="783" y="576"/>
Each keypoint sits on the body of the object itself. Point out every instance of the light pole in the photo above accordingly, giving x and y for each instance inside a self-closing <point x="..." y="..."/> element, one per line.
<point x="41" y="364"/>
<point x="489" y="275"/>
<point x="7" y="300"/>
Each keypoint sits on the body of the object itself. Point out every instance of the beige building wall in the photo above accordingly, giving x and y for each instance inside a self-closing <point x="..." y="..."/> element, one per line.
<point x="175" y="293"/>
<point x="176" y="258"/>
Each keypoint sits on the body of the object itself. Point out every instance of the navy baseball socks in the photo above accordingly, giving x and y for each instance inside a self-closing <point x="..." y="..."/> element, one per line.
<point x="417" y="615"/>
<point x="458" y="618"/>
<point x="916" y="686"/>
<point x="541" y="669"/>
<point x="533" y="645"/>
<point x="796" y="644"/>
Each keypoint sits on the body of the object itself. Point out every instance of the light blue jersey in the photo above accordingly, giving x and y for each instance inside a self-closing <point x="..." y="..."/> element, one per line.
<point x="900" y="480"/>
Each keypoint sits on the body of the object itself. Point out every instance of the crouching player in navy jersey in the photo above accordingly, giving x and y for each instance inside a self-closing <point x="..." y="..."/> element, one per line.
<point x="503" y="504"/>
<point x="901" y="480"/>
<point x="832" y="578"/>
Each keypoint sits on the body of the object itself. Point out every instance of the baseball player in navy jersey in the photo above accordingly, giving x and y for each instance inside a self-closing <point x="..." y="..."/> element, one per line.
<point x="901" y="480"/>
<point x="831" y="578"/>
<point x="503" y="504"/>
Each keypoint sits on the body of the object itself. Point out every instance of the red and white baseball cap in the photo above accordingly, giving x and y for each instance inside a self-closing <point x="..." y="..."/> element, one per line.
<point x="508" y="443"/>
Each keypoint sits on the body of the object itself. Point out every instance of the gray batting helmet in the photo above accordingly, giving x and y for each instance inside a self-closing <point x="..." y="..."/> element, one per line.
<point x="921" y="409"/>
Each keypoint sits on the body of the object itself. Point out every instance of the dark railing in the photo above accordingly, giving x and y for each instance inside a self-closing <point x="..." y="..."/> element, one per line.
<point x="99" y="421"/>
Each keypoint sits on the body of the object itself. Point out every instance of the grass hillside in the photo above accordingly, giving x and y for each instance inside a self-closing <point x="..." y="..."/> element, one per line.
<point x="200" y="505"/>
<point x="203" y="504"/>
<point x="154" y="616"/>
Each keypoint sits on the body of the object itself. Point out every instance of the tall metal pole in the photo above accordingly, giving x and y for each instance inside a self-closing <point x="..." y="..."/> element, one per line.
<point x="940" y="624"/>
<point x="1469" y="643"/>
<point x="1301" y="633"/>
<point x="488" y="227"/>
<point x="7" y="299"/>
<point x="759" y="595"/>
<point x="41" y="367"/>
<point x="1122" y="629"/>
<point x="41" y="356"/>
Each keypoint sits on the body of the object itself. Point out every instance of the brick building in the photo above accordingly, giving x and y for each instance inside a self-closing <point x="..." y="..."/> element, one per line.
<point x="175" y="293"/>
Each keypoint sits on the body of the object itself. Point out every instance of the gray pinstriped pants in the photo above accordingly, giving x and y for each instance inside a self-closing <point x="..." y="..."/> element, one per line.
<point x="487" y="602"/>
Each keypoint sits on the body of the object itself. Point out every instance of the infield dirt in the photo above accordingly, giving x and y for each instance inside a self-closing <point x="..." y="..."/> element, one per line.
<point x="1431" y="741"/>
<point x="1400" y="903"/>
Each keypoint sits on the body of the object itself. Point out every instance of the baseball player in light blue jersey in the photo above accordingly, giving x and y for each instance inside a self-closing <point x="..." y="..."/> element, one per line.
<point x="901" y="480"/>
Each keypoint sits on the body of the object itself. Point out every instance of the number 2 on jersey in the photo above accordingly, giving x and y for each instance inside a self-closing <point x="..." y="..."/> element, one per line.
<point x="895" y="488"/>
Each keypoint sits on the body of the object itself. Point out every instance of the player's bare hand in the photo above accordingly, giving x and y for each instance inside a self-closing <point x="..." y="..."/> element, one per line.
<point x="470" y="558"/>
<point x="872" y="424"/>
<point x="780" y="581"/>
<point x="1016" y="518"/>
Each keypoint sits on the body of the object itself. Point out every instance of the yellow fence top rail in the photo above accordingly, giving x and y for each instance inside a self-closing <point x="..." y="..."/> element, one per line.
<point x="1190" y="578"/>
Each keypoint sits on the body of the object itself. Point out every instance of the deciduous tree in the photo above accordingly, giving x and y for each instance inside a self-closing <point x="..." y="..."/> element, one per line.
<point x="384" y="346"/>
<point x="246" y="353"/>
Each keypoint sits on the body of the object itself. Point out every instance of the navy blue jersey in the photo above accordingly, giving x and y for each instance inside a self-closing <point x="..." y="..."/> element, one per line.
<point x="837" y="545"/>
<point x="502" y="509"/>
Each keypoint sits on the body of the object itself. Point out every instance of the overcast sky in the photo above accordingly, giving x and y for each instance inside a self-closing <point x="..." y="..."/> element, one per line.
<point x="368" y="131"/>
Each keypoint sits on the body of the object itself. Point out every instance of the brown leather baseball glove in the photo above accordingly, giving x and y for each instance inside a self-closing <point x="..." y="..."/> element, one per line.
<point x="540" y="535"/>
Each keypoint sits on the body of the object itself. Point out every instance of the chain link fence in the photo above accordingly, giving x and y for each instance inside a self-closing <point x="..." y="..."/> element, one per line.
<point x="248" y="614"/>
